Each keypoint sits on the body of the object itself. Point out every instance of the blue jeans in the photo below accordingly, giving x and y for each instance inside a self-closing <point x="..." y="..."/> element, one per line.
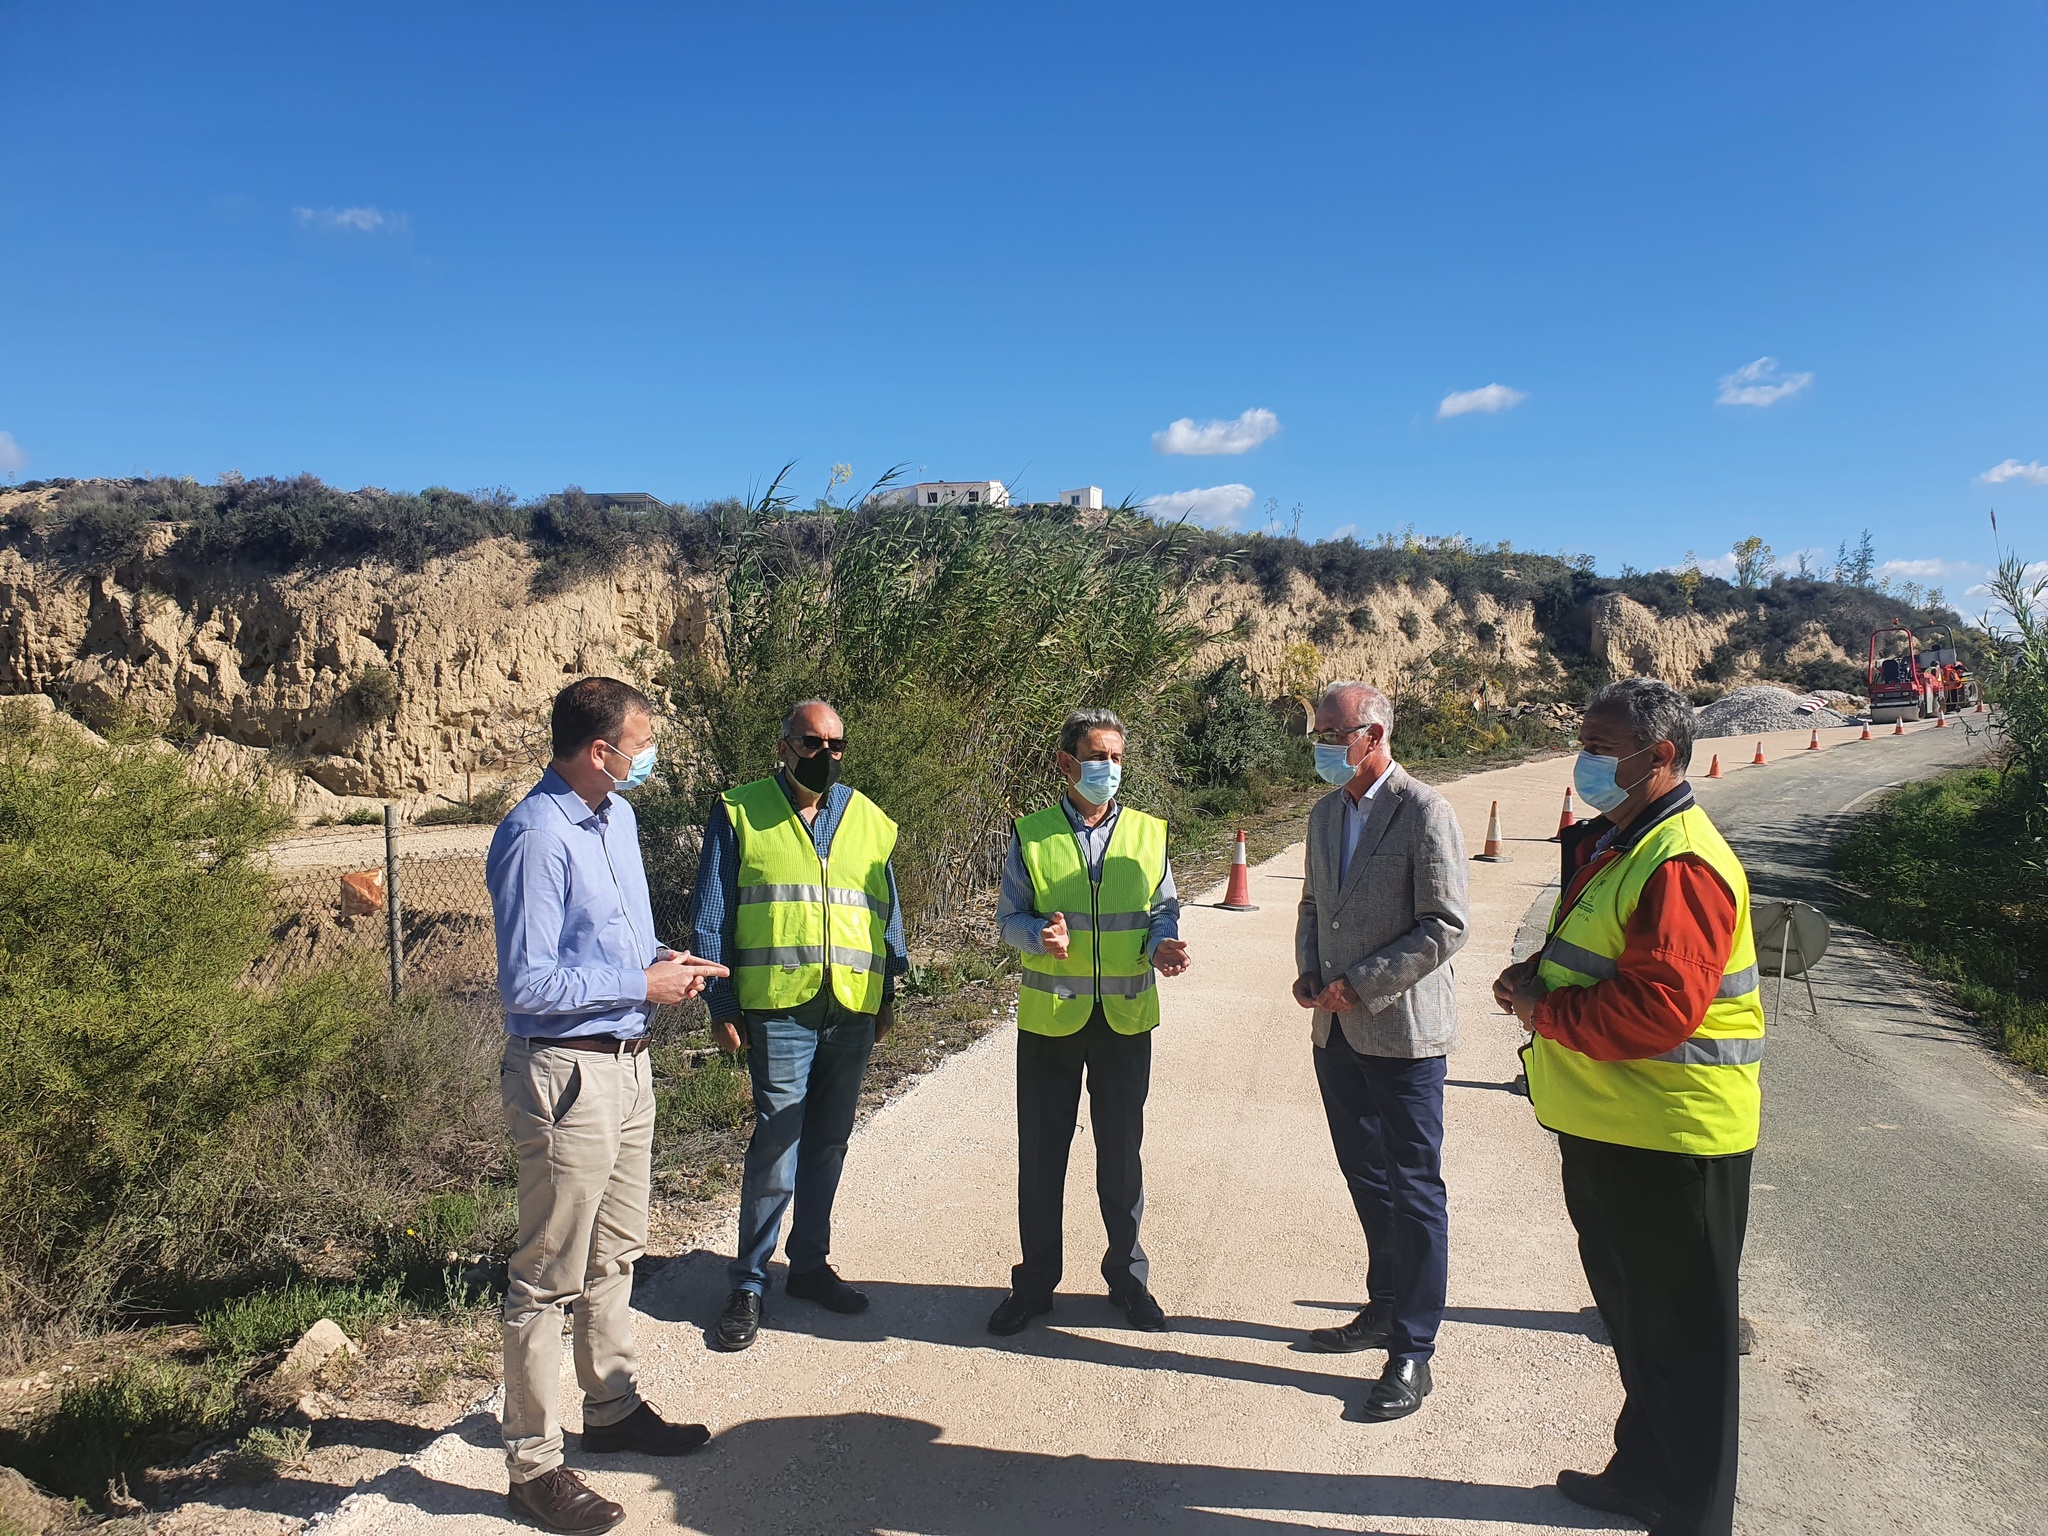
<point x="1386" y="1117"/>
<point x="807" y="1078"/>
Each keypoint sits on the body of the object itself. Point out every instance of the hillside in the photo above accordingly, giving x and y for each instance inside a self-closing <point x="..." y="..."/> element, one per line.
<point x="381" y="646"/>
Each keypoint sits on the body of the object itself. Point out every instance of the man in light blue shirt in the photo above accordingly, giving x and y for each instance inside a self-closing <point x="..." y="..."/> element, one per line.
<point x="580" y="971"/>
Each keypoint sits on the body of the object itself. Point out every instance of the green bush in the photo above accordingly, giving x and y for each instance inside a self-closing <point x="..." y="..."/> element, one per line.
<point x="166" y="1128"/>
<point x="275" y="1317"/>
<point x="105" y="1430"/>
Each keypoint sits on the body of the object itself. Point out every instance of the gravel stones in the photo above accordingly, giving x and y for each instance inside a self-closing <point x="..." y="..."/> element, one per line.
<point x="1758" y="710"/>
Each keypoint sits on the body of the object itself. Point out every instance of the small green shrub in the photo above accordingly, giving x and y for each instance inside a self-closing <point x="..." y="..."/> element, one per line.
<point x="266" y="1453"/>
<point x="1365" y="621"/>
<point x="274" y="1318"/>
<point x="714" y="1095"/>
<point x="1411" y="623"/>
<point x="363" y="816"/>
<point x="372" y="698"/>
<point x="484" y="810"/>
<point x="105" y="1430"/>
<point x="1326" y="628"/>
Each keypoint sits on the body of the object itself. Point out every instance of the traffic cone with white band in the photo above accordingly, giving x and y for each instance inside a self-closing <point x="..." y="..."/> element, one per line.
<point x="1237" y="897"/>
<point x="1492" y="853"/>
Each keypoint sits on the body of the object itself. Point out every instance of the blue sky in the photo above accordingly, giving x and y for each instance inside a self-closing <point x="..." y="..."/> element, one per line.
<point x="668" y="248"/>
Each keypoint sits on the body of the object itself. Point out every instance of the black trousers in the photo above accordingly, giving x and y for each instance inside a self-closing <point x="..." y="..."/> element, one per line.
<point x="1049" y="1073"/>
<point x="1660" y="1234"/>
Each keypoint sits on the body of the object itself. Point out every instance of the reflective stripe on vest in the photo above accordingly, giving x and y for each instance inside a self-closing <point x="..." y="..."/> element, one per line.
<point x="795" y="915"/>
<point x="1107" y="924"/>
<point x="1702" y="1097"/>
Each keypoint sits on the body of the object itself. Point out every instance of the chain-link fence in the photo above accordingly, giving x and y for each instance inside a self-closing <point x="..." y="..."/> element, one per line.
<point x="418" y="892"/>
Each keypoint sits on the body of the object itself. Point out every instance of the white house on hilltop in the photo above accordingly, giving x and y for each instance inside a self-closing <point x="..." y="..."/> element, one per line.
<point x="1088" y="498"/>
<point x="949" y="493"/>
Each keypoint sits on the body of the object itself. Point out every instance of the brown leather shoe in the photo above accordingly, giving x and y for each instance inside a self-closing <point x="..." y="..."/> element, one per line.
<point x="559" y="1500"/>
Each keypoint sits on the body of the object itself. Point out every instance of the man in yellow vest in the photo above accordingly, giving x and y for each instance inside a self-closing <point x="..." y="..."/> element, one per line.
<point x="797" y="895"/>
<point x="1088" y="900"/>
<point x="1646" y="1041"/>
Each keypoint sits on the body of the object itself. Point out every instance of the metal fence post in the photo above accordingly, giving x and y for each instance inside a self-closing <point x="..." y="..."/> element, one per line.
<point x="394" y="927"/>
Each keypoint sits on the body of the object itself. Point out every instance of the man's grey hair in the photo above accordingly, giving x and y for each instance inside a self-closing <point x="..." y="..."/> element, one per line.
<point x="1082" y="721"/>
<point x="1656" y="712"/>
<point x="1364" y="703"/>
<point x="789" y="732"/>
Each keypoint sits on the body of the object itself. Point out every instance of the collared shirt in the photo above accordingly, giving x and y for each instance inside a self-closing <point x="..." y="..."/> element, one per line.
<point x="1020" y="924"/>
<point x="574" y="925"/>
<point x="715" y="904"/>
<point x="1675" y="946"/>
<point x="1356" y="814"/>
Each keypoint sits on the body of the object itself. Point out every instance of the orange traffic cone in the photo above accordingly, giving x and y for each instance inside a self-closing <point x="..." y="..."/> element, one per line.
<point x="1898" y="727"/>
<point x="1941" y="721"/>
<point x="1570" y="817"/>
<point x="1814" y="744"/>
<point x="1980" y="707"/>
<point x="1715" y="771"/>
<point x="1237" y="897"/>
<point x="1492" y="853"/>
<point x="1866" y="732"/>
<point x="1759" y="760"/>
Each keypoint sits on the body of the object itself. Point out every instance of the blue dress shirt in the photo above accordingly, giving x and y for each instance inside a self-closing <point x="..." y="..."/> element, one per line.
<point x="575" y="928"/>
<point x="1023" y="928"/>
<point x="716" y="901"/>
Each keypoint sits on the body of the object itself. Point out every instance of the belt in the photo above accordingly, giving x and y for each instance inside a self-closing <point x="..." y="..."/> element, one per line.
<point x="607" y="1045"/>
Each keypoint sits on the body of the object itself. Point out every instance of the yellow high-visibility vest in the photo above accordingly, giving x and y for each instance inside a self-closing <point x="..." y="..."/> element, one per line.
<point x="796" y="911"/>
<point x="1106" y="923"/>
<point x="1703" y="1097"/>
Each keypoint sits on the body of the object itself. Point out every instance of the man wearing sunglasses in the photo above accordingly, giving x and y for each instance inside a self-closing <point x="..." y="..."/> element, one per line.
<point x="797" y="894"/>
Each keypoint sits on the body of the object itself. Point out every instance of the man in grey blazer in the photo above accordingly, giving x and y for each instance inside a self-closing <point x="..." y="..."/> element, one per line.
<point x="1382" y="912"/>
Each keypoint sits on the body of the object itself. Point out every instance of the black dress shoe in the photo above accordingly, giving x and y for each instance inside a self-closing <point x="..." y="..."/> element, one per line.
<point x="646" y="1432"/>
<point x="1399" y="1391"/>
<point x="1141" y="1308"/>
<point x="1368" y="1330"/>
<point x="1600" y="1490"/>
<point x="740" y="1320"/>
<point x="826" y="1289"/>
<point x="559" y="1500"/>
<point x="1014" y="1311"/>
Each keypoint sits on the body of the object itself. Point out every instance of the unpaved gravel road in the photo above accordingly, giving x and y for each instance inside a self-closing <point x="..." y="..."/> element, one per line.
<point x="912" y="1419"/>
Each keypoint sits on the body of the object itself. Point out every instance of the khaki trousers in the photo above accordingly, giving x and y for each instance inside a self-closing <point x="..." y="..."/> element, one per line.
<point x="582" y="1124"/>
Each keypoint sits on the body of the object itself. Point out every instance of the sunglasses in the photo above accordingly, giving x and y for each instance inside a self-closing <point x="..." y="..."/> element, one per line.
<point x="811" y="746"/>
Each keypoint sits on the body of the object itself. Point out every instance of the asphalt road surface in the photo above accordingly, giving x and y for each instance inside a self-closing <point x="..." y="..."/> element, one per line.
<point x="1900" y="1214"/>
<point x="1894" y="1275"/>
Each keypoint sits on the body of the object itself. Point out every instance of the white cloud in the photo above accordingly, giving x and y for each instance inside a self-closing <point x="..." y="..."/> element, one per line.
<point x="1217" y="437"/>
<point x="1721" y="565"/>
<point x="353" y="221"/>
<point x="1925" y="571"/>
<point x="1486" y="399"/>
<point x="1215" y="506"/>
<point x="11" y="456"/>
<point x="2035" y="473"/>
<point x="1760" y="384"/>
<point x="1346" y="531"/>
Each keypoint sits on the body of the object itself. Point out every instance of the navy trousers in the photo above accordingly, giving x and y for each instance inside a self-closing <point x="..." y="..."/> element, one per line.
<point x="1386" y="1118"/>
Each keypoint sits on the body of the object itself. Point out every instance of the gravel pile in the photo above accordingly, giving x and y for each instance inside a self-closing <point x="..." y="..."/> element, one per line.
<point x="1753" y="711"/>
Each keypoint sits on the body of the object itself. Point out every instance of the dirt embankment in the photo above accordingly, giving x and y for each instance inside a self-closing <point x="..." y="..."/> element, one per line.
<point x="263" y="669"/>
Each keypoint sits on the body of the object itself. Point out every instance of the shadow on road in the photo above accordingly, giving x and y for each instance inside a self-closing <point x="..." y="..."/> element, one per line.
<point x="876" y="1473"/>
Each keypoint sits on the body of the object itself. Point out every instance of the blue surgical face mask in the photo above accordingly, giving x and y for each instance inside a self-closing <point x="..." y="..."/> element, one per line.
<point x="642" y="768"/>
<point x="1594" y="777"/>
<point x="1099" y="781"/>
<point x="1333" y="764"/>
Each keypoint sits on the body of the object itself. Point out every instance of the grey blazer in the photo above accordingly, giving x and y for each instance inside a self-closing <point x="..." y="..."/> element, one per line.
<point x="1393" y="926"/>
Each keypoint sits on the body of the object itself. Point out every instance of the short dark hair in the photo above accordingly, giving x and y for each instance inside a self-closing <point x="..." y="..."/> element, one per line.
<point x="593" y="709"/>
<point x="1656" y="712"/>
